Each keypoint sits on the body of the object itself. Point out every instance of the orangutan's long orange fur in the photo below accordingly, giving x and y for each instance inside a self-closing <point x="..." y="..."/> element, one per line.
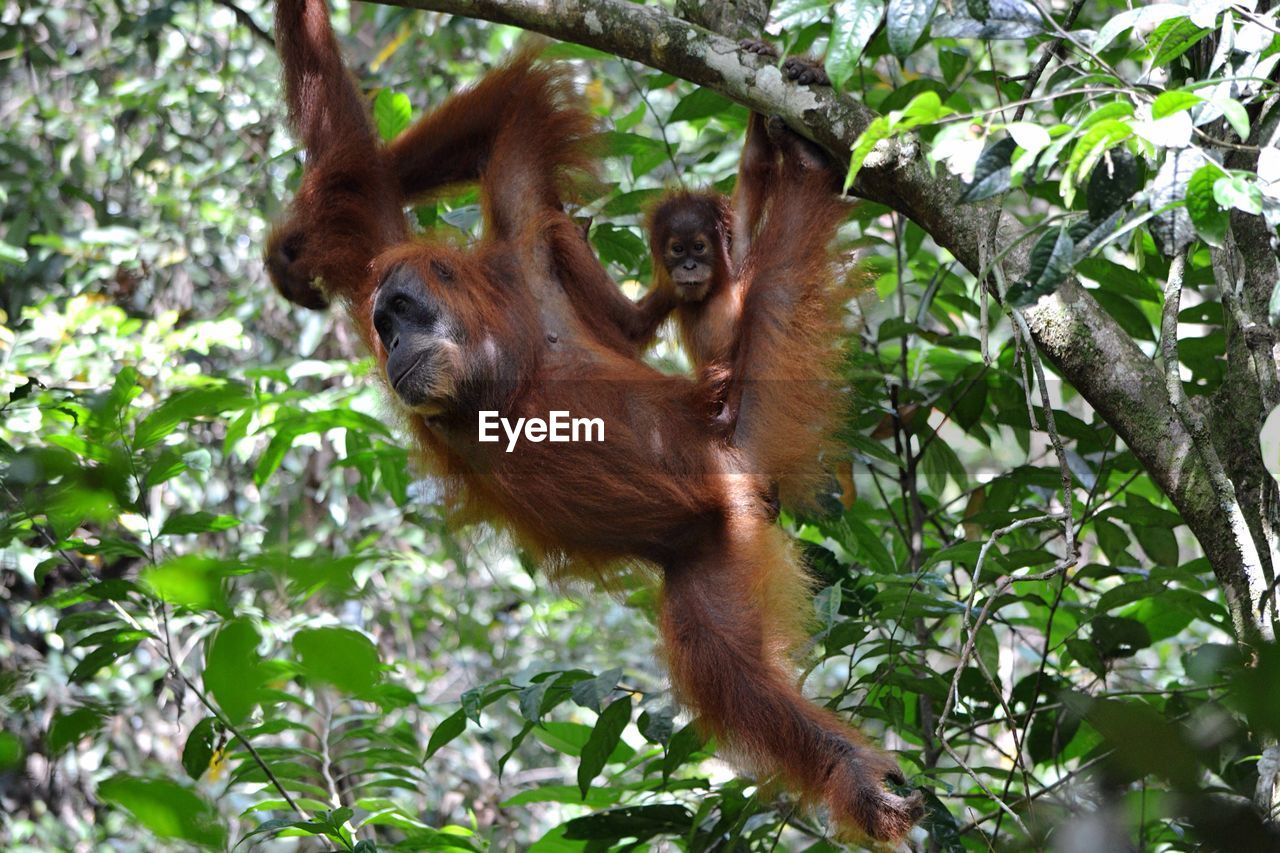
<point x="768" y="328"/>
<point x="538" y="331"/>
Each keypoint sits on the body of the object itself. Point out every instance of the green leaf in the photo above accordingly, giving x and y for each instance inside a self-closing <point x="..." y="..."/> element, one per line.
<point x="604" y="738"/>
<point x="1237" y="191"/>
<point x="853" y="23"/>
<point x="1235" y="114"/>
<point x="1031" y="137"/>
<point x="938" y="462"/>
<point x="1087" y="656"/>
<point x="198" y="751"/>
<point x="619" y="245"/>
<point x="1112" y="110"/>
<point x="591" y="692"/>
<point x="700" y="103"/>
<point x="1130" y="317"/>
<point x="271" y="827"/>
<point x="992" y="172"/>
<point x="1115" y="180"/>
<point x="1147" y="16"/>
<point x="197" y="522"/>
<point x="1144" y="741"/>
<point x="342" y="657"/>
<point x="1088" y="151"/>
<point x="103" y="656"/>
<point x="192" y="580"/>
<point x="876" y="132"/>
<point x="392" y="113"/>
<point x="1174" y="38"/>
<point x="531" y="698"/>
<point x="1050" y="264"/>
<point x="597" y="798"/>
<point x="1269" y="435"/>
<point x="906" y="21"/>
<point x="1174" y="102"/>
<point x="188" y="405"/>
<point x="167" y="465"/>
<point x="124" y="390"/>
<point x="1171" y="228"/>
<point x="657" y="726"/>
<point x="11" y="254"/>
<point x="289" y="427"/>
<point x="10" y="751"/>
<point x="923" y="109"/>
<point x="637" y="822"/>
<point x="1118" y="637"/>
<point x="1159" y="544"/>
<point x="681" y="748"/>
<point x="166" y="808"/>
<point x="1254" y="690"/>
<point x="233" y="671"/>
<point x="571" y="738"/>
<point x="67" y="729"/>
<point x="1209" y="219"/>
<point x="452" y="726"/>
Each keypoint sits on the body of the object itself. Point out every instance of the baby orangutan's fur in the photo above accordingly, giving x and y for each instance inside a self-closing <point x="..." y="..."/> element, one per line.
<point x="523" y="323"/>
<point x="768" y="245"/>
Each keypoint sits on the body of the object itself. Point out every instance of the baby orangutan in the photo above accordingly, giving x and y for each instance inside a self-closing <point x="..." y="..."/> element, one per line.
<point x="763" y="254"/>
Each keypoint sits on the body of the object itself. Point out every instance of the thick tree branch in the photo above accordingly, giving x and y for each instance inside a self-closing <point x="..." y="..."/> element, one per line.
<point x="734" y="18"/>
<point x="1085" y="344"/>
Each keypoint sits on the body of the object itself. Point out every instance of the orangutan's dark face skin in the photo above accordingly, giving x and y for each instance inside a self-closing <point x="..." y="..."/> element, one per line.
<point x="420" y="339"/>
<point x="689" y="256"/>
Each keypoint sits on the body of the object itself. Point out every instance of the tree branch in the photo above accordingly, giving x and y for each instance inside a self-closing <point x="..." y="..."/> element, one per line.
<point x="734" y="18"/>
<point x="1223" y="489"/>
<point x="246" y="20"/>
<point x="1085" y="344"/>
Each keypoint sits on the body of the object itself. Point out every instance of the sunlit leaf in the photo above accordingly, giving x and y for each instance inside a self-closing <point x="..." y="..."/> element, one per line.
<point x="166" y="809"/>
<point x="189" y="405"/>
<point x="1209" y="219"/>
<point x="233" y="670"/>
<point x="853" y="23"/>
<point x="906" y="21"/>
<point x="344" y="658"/>
<point x="391" y="113"/>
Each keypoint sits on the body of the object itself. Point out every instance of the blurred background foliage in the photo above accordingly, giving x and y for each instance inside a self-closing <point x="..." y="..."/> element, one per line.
<point x="229" y="610"/>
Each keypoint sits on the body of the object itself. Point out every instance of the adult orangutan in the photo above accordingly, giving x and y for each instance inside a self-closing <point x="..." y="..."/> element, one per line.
<point x="512" y="325"/>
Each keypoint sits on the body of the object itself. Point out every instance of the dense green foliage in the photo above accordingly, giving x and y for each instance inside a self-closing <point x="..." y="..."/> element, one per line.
<point x="229" y="610"/>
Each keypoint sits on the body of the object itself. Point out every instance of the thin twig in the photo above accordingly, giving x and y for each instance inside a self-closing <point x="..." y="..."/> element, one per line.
<point x="1088" y="765"/>
<point x="1069" y="37"/>
<point x="971" y="636"/>
<point x="1055" y="49"/>
<point x="1004" y="807"/>
<point x="1051" y="427"/>
<point x="662" y="126"/>
<point x="246" y="20"/>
